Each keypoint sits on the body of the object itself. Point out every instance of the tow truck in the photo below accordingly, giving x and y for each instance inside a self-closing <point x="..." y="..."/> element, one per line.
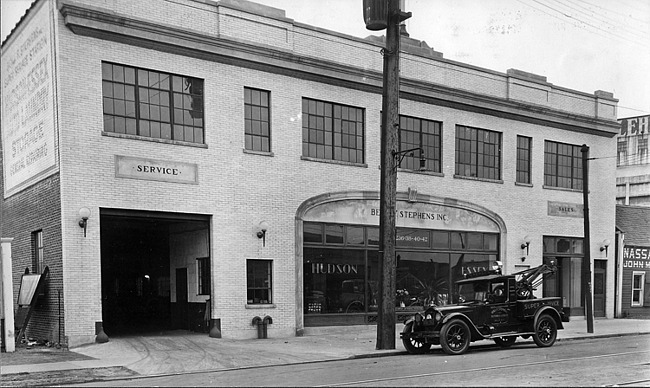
<point x="491" y="306"/>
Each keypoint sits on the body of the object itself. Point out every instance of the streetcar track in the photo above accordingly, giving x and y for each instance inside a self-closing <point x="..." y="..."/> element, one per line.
<point x="485" y="369"/>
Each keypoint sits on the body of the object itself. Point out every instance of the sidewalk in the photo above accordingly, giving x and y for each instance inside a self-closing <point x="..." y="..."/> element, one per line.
<point x="181" y="351"/>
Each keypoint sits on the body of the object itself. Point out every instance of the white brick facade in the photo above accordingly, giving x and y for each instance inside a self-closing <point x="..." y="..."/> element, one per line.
<point x="239" y="189"/>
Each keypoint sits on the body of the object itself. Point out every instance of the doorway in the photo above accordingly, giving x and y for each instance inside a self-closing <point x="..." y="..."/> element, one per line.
<point x="600" y="282"/>
<point x="141" y="253"/>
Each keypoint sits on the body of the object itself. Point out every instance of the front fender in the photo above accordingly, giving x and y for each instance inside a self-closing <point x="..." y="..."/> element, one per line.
<point x="475" y="333"/>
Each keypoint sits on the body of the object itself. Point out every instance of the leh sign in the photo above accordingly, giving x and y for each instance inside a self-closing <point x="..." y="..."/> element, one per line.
<point x="156" y="170"/>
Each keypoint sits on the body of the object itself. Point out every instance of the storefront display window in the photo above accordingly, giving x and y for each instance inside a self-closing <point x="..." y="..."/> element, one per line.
<point x="341" y="271"/>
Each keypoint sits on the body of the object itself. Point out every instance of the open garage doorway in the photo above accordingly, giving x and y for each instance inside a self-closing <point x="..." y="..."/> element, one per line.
<point x="155" y="271"/>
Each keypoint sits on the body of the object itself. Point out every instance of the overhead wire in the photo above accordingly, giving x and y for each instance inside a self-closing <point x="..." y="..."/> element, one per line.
<point x="597" y="30"/>
<point x="620" y="27"/>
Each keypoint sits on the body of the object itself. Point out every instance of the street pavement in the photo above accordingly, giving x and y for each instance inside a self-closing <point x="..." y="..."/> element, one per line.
<point x="178" y="352"/>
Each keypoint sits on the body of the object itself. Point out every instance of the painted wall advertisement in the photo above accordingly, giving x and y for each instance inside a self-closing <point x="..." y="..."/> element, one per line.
<point x="637" y="258"/>
<point x="28" y="130"/>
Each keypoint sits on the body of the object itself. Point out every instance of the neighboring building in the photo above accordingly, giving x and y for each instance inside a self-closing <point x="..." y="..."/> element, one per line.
<point x="633" y="162"/>
<point x="633" y="270"/>
<point x="633" y="218"/>
<point x="228" y="159"/>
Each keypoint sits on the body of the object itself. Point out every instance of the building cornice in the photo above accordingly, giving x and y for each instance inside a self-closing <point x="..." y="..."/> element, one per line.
<point x="99" y="23"/>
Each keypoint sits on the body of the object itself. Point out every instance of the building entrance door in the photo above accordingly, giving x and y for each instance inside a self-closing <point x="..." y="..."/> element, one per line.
<point x="600" y="281"/>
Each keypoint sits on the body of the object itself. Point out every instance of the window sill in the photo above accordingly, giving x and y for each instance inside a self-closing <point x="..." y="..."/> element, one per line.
<point x="262" y="153"/>
<point x="260" y="306"/>
<point x="425" y="172"/>
<point x="523" y="184"/>
<point x="331" y="161"/>
<point x="561" y="189"/>
<point x="153" y="139"/>
<point x="473" y="178"/>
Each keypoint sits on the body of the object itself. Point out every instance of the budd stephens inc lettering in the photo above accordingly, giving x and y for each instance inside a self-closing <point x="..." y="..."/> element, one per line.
<point x="415" y="215"/>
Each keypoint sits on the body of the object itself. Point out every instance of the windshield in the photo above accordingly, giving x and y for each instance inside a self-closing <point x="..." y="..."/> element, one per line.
<point x="472" y="292"/>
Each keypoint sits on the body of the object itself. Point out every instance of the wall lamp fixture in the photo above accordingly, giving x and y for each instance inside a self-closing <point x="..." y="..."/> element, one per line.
<point x="263" y="227"/>
<point x="526" y="244"/>
<point x="400" y="155"/>
<point x="84" y="213"/>
<point x="604" y="245"/>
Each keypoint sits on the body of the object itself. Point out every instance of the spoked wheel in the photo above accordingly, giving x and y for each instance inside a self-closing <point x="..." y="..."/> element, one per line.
<point x="545" y="331"/>
<point x="455" y="337"/>
<point x="505" y="342"/>
<point x="414" y="346"/>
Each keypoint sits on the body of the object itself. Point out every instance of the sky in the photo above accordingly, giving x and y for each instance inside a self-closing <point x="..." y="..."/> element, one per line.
<point x="584" y="45"/>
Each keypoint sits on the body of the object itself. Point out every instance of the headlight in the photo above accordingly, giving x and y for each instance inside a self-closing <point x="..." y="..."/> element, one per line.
<point x="418" y="317"/>
<point x="438" y="316"/>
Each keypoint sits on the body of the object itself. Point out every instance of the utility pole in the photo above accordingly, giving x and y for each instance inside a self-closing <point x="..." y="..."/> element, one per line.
<point x="388" y="186"/>
<point x="586" y="260"/>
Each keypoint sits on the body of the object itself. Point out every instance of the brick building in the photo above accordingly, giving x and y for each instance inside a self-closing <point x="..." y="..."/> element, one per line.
<point x="227" y="158"/>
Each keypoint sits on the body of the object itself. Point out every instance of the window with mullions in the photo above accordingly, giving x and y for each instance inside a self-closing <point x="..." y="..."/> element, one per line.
<point x="37" y="252"/>
<point x="638" y="288"/>
<point x="332" y="131"/>
<point x="420" y="133"/>
<point x="621" y="151"/>
<point x="258" y="280"/>
<point x="523" y="159"/>
<point x="478" y="153"/>
<point x="152" y="104"/>
<point x="203" y="269"/>
<point x="257" y="120"/>
<point x="642" y="149"/>
<point x="562" y="165"/>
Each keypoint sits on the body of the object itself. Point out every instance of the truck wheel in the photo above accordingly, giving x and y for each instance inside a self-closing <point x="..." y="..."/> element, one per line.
<point x="455" y="337"/>
<point x="414" y="346"/>
<point x="505" y="342"/>
<point x="545" y="331"/>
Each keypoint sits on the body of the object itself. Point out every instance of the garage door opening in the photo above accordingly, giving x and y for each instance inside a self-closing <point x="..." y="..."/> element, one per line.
<point x="155" y="272"/>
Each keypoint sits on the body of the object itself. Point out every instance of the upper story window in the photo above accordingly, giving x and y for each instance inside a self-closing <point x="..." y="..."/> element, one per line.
<point x="152" y="104"/>
<point x="621" y="151"/>
<point x="643" y="149"/>
<point x="332" y="131"/>
<point x="37" y="252"/>
<point x="420" y="133"/>
<point x="523" y="159"/>
<point x="562" y="165"/>
<point x="478" y="153"/>
<point x="257" y="120"/>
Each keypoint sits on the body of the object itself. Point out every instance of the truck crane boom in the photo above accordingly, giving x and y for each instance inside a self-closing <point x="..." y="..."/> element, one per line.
<point x="530" y="279"/>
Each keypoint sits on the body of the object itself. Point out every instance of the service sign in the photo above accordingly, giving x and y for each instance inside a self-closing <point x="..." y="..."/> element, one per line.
<point x="156" y="170"/>
<point x="29" y="141"/>
<point x="636" y="257"/>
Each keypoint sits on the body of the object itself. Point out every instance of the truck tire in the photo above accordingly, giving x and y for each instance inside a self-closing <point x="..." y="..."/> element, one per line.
<point x="455" y="337"/>
<point x="414" y="346"/>
<point x="545" y="331"/>
<point x="505" y="342"/>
